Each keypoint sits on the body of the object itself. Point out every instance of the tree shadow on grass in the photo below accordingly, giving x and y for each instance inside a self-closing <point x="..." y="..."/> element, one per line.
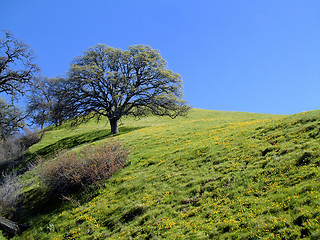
<point x="20" y="164"/>
<point x="79" y="139"/>
<point x="41" y="200"/>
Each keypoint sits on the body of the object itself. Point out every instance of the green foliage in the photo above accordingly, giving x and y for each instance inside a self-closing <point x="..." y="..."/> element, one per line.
<point x="212" y="175"/>
<point x="1" y="236"/>
<point x="108" y="82"/>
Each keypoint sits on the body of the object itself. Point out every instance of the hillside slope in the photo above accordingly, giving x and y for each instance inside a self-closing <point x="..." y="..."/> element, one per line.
<point x="212" y="175"/>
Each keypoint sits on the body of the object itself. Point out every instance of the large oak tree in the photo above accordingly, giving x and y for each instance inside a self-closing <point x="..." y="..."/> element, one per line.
<point x="113" y="83"/>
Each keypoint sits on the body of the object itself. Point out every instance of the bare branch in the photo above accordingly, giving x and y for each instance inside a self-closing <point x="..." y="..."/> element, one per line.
<point x="16" y="67"/>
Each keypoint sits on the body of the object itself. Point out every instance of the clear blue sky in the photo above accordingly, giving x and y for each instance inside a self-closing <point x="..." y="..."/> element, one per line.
<point x="249" y="55"/>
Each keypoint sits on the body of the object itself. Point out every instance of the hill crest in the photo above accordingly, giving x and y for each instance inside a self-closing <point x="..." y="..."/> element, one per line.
<point x="212" y="175"/>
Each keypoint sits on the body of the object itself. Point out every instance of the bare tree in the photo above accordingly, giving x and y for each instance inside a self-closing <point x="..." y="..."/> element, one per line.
<point x="47" y="101"/>
<point x="113" y="83"/>
<point x="16" y="65"/>
<point x="11" y="120"/>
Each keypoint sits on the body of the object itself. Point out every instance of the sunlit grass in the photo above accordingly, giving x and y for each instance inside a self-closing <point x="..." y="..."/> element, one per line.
<point x="260" y="177"/>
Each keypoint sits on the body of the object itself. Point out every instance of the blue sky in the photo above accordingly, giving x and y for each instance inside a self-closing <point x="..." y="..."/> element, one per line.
<point x="249" y="55"/>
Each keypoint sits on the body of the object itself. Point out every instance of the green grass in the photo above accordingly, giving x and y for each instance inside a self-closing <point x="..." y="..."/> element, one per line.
<point x="1" y="236"/>
<point x="259" y="176"/>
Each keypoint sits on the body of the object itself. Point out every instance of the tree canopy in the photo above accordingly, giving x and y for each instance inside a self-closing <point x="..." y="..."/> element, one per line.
<point x="113" y="83"/>
<point x="16" y="65"/>
<point x="16" y="71"/>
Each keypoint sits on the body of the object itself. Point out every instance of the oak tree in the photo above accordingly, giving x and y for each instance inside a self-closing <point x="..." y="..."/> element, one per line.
<point x="46" y="101"/>
<point x="113" y="83"/>
<point x="11" y="120"/>
<point x="16" y="65"/>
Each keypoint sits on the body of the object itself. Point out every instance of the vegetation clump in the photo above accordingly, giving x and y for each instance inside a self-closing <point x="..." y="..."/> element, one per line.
<point x="10" y="192"/>
<point x="71" y="171"/>
<point x="12" y="149"/>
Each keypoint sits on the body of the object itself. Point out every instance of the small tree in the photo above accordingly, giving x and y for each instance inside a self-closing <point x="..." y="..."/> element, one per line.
<point x="46" y="101"/>
<point x="113" y="83"/>
<point x="16" y="71"/>
<point x="16" y="65"/>
<point x="11" y="120"/>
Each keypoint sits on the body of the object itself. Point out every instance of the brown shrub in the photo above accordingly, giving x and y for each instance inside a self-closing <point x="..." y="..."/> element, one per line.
<point x="30" y="137"/>
<point x="9" y="192"/>
<point x="9" y="150"/>
<point x="12" y="148"/>
<point x="70" y="171"/>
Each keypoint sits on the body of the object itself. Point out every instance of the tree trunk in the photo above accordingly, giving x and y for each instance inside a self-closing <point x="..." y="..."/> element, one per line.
<point x="9" y="225"/>
<point x="114" y="126"/>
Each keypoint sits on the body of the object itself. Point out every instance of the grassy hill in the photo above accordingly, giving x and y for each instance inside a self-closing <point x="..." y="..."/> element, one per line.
<point x="211" y="175"/>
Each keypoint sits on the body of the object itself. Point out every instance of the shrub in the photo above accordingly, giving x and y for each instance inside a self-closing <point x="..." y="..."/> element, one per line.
<point x="29" y="137"/>
<point x="70" y="171"/>
<point x="13" y="147"/>
<point x="9" y="192"/>
<point x="9" y="149"/>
